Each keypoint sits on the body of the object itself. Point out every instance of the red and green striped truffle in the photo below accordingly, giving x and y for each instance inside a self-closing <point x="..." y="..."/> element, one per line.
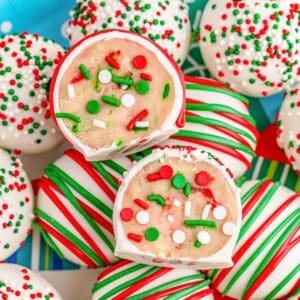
<point x="252" y="46"/>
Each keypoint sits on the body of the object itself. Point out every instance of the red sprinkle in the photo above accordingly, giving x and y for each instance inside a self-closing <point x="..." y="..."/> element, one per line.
<point x="166" y="172"/>
<point x="77" y="78"/>
<point x="134" y="237"/>
<point x="126" y="214"/>
<point x="154" y="177"/>
<point x="140" y="62"/>
<point x="146" y="76"/>
<point x="141" y="203"/>
<point x="140" y="116"/>
<point x="110" y="60"/>
<point x="203" y="178"/>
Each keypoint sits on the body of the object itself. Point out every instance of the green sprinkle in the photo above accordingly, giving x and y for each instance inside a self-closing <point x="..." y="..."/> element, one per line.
<point x="166" y="91"/>
<point x="84" y="70"/>
<point x="187" y="189"/>
<point x="197" y="244"/>
<point x="122" y="80"/>
<point x="111" y="100"/>
<point x="204" y="223"/>
<point x="178" y="181"/>
<point x="69" y="116"/>
<point x="142" y="87"/>
<point x="158" y="199"/>
<point x="152" y="234"/>
<point x="93" y="107"/>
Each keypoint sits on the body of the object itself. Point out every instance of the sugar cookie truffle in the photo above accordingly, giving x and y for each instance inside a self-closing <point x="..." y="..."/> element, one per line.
<point x="74" y="208"/>
<point x="195" y="201"/>
<point x="253" y="46"/>
<point x="266" y="258"/>
<point x="130" y="280"/>
<point x="218" y="121"/>
<point x="26" y="67"/>
<point x="288" y="134"/>
<point x="164" y="22"/>
<point x="16" y="205"/>
<point x="117" y="93"/>
<point x="18" y="282"/>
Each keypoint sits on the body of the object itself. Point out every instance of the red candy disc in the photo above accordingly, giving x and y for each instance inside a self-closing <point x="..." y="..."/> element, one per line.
<point x="139" y="62"/>
<point x="166" y="172"/>
<point x="203" y="178"/>
<point x="126" y="214"/>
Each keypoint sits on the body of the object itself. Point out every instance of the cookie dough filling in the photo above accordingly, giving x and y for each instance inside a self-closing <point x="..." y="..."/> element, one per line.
<point x="116" y="91"/>
<point x="186" y="213"/>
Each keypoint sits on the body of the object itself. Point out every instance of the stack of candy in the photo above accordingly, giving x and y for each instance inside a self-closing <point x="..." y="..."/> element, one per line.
<point x="152" y="187"/>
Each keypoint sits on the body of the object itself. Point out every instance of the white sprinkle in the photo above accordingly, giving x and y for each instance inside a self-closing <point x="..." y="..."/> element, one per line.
<point x="220" y="213"/>
<point x="142" y="217"/>
<point x="229" y="228"/>
<point x="105" y="76"/>
<point x="206" y="211"/>
<point x="170" y="218"/>
<point x="128" y="100"/>
<point x="6" y="27"/>
<point x="178" y="236"/>
<point x="71" y="91"/>
<point x="99" y="123"/>
<point x="187" y="208"/>
<point x="142" y="124"/>
<point x="177" y="203"/>
<point x="204" y="237"/>
<point x="124" y="87"/>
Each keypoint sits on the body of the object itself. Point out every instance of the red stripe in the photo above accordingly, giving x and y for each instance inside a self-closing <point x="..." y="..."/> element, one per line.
<point x="201" y="294"/>
<point x="170" y="291"/>
<point x="275" y="261"/>
<point x="256" y="197"/>
<point x="107" y="271"/>
<point x="80" y="160"/>
<point x="240" y="120"/>
<point x="142" y="283"/>
<point x="243" y="249"/>
<point x="44" y="184"/>
<point x="98" y="218"/>
<point x="218" y="147"/>
<point x="67" y="243"/>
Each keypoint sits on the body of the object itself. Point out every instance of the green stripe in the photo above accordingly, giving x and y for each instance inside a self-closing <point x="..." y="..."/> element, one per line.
<point x="272" y="169"/>
<point x="117" y="276"/>
<point x="48" y="239"/>
<point x="264" y="169"/>
<point x="70" y="236"/>
<point x="219" y="108"/>
<point x="278" y="172"/>
<point x="128" y="283"/>
<point x="69" y="195"/>
<point x="263" y="202"/>
<point x="166" y="285"/>
<point x="272" y="252"/>
<point x="114" y="166"/>
<point x="187" y="292"/>
<point x="242" y="269"/>
<point x="283" y="283"/>
<point x="105" y="174"/>
<point x="249" y="173"/>
<point x="215" y="139"/>
<point x="80" y="189"/>
<point x="297" y="186"/>
<point x="215" y="122"/>
<point x="252" y="191"/>
<point x="199" y="87"/>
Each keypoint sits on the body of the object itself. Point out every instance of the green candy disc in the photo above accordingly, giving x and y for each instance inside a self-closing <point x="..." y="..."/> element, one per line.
<point x="179" y="181"/>
<point x="93" y="107"/>
<point x="142" y="87"/>
<point x="152" y="234"/>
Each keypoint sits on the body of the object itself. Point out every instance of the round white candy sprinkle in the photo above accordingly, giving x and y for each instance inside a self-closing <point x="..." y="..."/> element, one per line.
<point x="6" y="27"/>
<point x="128" y="100"/>
<point x="105" y="76"/>
<point x="142" y="217"/>
<point x="220" y="213"/>
<point x="178" y="236"/>
<point x="177" y="203"/>
<point x="170" y="218"/>
<point x="229" y="228"/>
<point x="204" y="237"/>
